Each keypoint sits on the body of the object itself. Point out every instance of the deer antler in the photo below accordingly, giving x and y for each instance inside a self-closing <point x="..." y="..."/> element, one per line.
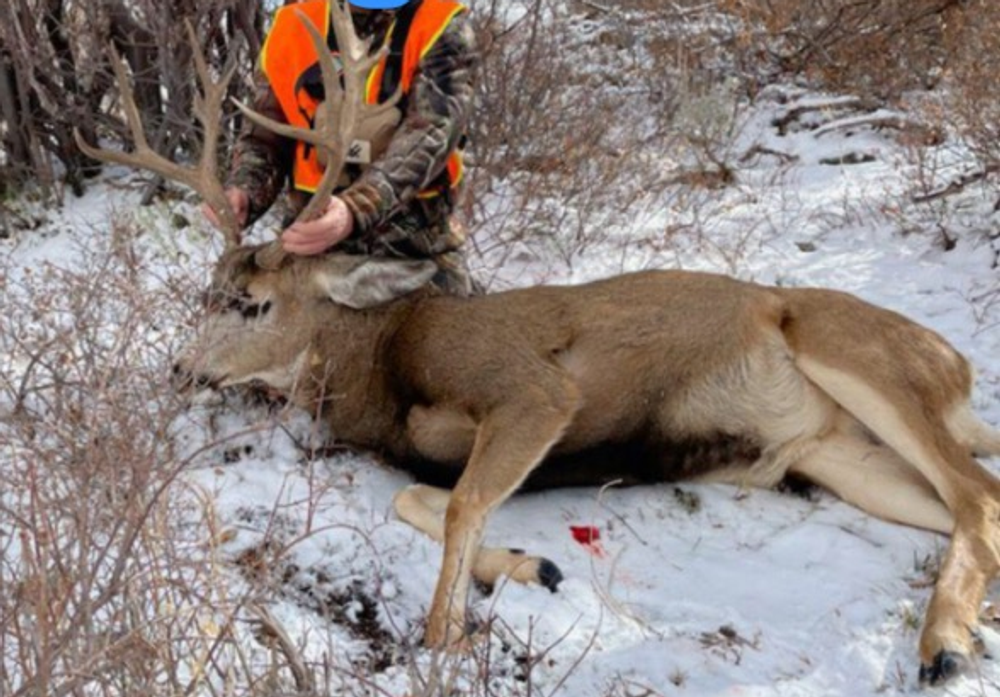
<point x="203" y="178"/>
<point x="337" y="116"/>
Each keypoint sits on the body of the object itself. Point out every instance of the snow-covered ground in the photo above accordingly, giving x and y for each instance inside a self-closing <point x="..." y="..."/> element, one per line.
<point x="691" y="590"/>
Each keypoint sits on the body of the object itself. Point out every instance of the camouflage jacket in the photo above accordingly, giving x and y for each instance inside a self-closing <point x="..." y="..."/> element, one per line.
<point x="389" y="219"/>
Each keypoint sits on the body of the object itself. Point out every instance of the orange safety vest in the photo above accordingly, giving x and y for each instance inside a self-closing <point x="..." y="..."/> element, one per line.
<point x="289" y="53"/>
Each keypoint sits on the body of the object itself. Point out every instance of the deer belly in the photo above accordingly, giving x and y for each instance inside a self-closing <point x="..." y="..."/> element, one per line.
<point x="442" y="440"/>
<point x="646" y="460"/>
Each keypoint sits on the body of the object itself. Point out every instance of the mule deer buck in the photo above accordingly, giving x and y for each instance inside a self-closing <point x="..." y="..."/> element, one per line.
<point x="648" y="377"/>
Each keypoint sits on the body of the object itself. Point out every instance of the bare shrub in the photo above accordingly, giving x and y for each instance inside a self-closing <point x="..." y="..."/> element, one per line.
<point x="973" y="77"/>
<point x="935" y="58"/>
<point x="584" y="115"/>
<point x="104" y="591"/>
<point x="54" y="75"/>
<point x="957" y="173"/>
<point x="869" y="47"/>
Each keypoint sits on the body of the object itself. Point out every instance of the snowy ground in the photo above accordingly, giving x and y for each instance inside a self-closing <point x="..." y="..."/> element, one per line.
<point x="693" y="590"/>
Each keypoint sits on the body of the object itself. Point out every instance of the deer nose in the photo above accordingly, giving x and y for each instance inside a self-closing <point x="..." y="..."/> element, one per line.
<point x="181" y="378"/>
<point x="184" y="380"/>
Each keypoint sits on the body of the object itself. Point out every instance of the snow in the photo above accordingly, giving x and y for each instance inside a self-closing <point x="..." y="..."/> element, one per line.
<point x="696" y="590"/>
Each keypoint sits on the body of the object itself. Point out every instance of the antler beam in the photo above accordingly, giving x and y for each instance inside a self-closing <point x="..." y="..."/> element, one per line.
<point x="202" y="178"/>
<point x="338" y="114"/>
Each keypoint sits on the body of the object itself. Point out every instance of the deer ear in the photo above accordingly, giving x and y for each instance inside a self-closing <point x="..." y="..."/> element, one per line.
<point x="361" y="282"/>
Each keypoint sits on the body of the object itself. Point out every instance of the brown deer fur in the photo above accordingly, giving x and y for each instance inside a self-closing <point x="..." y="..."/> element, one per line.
<point x="646" y="377"/>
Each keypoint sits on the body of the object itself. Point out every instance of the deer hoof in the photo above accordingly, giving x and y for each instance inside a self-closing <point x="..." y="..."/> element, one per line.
<point x="946" y="665"/>
<point x="549" y="575"/>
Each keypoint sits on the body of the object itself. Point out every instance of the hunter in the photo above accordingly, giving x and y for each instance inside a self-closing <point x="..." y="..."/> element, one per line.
<point x="404" y="175"/>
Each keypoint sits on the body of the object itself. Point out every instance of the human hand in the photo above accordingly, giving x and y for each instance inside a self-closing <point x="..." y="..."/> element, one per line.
<point x="315" y="236"/>
<point x="239" y="202"/>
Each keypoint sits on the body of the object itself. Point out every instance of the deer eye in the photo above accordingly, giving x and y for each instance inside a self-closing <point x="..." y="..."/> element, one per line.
<point x="256" y="310"/>
<point x="249" y="308"/>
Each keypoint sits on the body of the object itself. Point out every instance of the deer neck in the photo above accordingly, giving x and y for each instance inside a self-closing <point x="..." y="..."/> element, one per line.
<point x="344" y="374"/>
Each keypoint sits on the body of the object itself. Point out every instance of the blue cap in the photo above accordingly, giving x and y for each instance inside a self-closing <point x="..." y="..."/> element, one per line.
<point x="378" y="4"/>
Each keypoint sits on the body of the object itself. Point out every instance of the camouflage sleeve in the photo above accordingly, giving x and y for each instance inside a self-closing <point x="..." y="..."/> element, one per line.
<point x="262" y="159"/>
<point x="438" y="109"/>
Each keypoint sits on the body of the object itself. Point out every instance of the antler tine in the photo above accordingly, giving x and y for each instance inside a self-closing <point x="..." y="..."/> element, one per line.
<point x="343" y="104"/>
<point x="341" y="109"/>
<point x="208" y="110"/>
<point x="322" y="138"/>
<point x="203" y="179"/>
<point x="348" y="103"/>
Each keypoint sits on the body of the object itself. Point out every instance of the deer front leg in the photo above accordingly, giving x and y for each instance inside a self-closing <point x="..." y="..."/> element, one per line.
<point x="423" y="507"/>
<point x="510" y="441"/>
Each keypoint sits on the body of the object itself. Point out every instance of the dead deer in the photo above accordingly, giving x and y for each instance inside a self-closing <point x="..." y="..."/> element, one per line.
<point x="648" y="377"/>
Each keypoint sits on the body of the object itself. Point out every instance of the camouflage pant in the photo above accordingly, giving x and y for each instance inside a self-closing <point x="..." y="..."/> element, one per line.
<point x="440" y="238"/>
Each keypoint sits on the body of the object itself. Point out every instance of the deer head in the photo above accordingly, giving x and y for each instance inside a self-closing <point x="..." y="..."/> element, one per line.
<point x="258" y="324"/>
<point x="262" y="305"/>
<point x="261" y="320"/>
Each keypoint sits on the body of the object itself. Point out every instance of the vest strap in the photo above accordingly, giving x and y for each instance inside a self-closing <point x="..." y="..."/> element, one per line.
<point x="393" y="69"/>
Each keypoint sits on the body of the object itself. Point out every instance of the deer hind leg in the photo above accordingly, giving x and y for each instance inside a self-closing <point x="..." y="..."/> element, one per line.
<point x="511" y="440"/>
<point x="423" y="507"/>
<point x="914" y="424"/>
<point x="873" y="477"/>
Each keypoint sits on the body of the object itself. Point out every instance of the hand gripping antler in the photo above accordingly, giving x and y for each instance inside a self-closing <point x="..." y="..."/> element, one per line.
<point x="203" y="177"/>
<point x="337" y="116"/>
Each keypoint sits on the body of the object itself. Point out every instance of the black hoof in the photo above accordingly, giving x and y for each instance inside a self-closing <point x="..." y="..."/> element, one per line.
<point x="549" y="575"/>
<point x="946" y="665"/>
<point x="483" y="587"/>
